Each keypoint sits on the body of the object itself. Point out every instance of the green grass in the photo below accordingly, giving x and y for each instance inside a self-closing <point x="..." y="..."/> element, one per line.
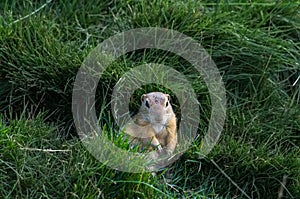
<point x="254" y="45"/>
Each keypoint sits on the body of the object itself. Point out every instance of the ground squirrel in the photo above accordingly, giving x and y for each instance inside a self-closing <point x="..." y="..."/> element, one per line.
<point x="155" y="123"/>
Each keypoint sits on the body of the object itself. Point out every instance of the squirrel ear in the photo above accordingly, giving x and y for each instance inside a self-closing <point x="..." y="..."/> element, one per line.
<point x="168" y="96"/>
<point x="143" y="97"/>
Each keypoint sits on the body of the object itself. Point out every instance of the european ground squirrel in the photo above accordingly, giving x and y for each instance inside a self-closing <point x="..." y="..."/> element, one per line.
<point x="155" y="123"/>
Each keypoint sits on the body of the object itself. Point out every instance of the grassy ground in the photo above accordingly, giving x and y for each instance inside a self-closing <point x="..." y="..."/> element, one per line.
<point x="255" y="46"/>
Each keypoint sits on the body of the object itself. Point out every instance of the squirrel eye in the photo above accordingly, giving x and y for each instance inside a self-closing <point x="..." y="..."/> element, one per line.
<point x="167" y="104"/>
<point x="147" y="104"/>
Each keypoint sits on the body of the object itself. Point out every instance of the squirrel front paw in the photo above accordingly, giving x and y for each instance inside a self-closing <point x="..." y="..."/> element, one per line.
<point x="159" y="148"/>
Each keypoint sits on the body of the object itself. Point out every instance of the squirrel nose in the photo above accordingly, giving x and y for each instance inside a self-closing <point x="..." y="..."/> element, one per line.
<point x="158" y="119"/>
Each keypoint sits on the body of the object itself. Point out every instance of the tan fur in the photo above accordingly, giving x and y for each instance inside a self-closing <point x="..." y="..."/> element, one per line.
<point x="155" y="123"/>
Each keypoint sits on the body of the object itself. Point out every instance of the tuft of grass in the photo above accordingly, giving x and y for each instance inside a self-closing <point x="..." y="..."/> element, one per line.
<point x="36" y="162"/>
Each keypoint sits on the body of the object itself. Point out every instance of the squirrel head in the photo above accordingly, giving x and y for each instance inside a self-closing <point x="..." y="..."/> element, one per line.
<point x="156" y="109"/>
